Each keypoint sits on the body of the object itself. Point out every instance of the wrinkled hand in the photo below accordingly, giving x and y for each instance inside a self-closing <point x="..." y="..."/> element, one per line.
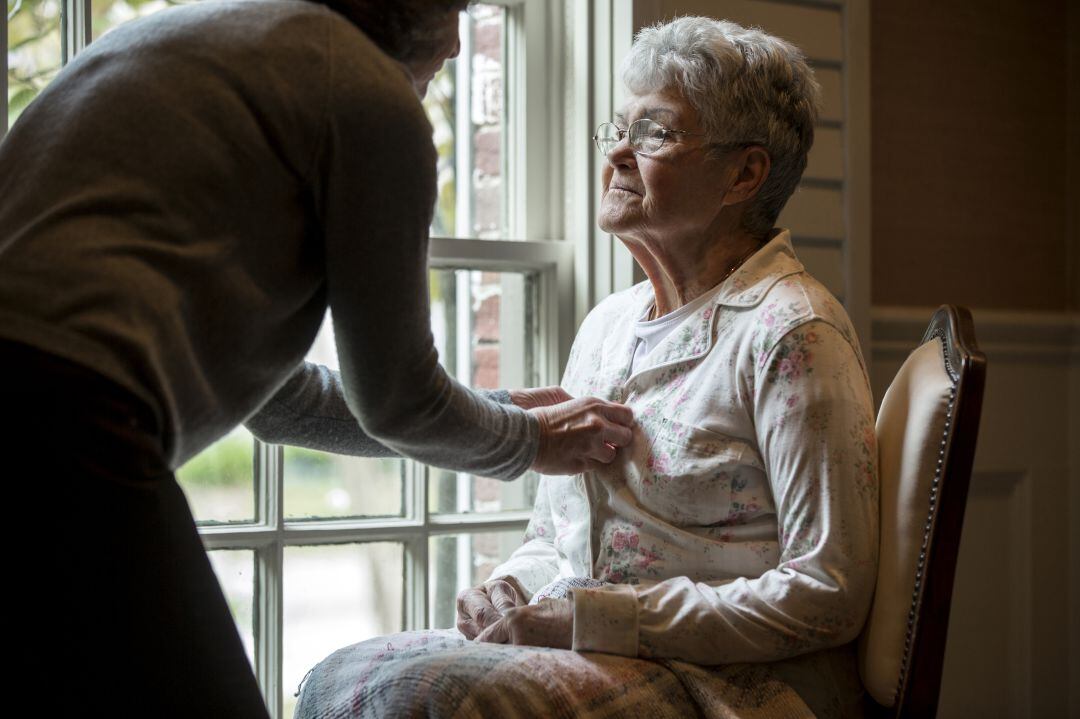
<point x="547" y="624"/>
<point x="480" y="607"/>
<point x="576" y="435"/>
<point x="539" y="397"/>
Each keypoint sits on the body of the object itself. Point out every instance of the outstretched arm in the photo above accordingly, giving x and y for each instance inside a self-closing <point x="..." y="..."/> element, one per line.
<point x="310" y="411"/>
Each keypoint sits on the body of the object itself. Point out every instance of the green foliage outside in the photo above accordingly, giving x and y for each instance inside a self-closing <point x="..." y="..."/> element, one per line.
<point x="439" y="104"/>
<point x="35" y="44"/>
<point x="229" y="461"/>
<point x="33" y="50"/>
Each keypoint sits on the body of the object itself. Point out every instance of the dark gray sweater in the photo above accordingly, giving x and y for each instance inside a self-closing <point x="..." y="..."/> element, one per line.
<point x="180" y="206"/>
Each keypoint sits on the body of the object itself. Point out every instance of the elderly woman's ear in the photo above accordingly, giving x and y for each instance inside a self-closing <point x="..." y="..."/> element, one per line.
<point x="750" y="168"/>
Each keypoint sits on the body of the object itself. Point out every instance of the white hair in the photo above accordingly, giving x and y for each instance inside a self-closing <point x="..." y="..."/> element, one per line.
<point x="748" y="88"/>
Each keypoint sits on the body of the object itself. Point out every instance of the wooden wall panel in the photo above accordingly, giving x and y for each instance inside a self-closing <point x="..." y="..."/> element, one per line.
<point x="815" y="212"/>
<point x="826" y="161"/>
<point x="968" y="153"/>
<point x="832" y="94"/>
<point x="818" y="31"/>
<point x="825" y="263"/>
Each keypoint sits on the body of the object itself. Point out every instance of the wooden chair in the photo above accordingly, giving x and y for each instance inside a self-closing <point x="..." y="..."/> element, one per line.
<point x="926" y="429"/>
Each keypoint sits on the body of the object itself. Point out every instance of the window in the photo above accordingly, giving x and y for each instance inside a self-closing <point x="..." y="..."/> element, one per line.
<point x="315" y="551"/>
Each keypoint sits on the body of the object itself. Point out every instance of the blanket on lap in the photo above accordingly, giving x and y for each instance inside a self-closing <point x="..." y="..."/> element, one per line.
<point x="441" y="674"/>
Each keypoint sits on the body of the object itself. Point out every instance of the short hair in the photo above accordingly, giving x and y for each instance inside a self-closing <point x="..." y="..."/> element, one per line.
<point x="403" y="29"/>
<point x="747" y="87"/>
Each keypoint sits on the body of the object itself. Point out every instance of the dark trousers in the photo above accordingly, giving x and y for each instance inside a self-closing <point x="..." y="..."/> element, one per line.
<point x="113" y="606"/>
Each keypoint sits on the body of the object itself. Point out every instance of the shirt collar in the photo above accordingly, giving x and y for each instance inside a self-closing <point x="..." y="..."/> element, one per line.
<point x="749" y="284"/>
<point x="746" y="287"/>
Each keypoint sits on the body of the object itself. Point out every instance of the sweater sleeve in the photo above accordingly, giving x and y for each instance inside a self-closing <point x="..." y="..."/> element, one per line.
<point x="375" y="187"/>
<point x="310" y="411"/>
<point x="814" y="420"/>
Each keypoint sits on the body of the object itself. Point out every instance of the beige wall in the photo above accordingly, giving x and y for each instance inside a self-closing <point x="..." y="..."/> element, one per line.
<point x="968" y="106"/>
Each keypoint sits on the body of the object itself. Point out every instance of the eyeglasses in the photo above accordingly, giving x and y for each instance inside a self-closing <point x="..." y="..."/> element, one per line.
<point x="646" y="136"/>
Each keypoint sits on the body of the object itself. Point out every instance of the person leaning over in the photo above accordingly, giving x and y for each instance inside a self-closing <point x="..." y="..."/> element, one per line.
<point x="177" y="211"/>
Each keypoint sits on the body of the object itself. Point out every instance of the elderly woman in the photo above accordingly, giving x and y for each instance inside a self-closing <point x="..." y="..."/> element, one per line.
<point x="741" y="523"/>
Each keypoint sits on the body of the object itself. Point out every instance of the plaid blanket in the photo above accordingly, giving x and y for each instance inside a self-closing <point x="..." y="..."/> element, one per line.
<point x="442" y="674"/>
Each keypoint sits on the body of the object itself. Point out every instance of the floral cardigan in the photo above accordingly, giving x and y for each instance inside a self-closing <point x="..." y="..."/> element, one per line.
<point x="741" y="524"/>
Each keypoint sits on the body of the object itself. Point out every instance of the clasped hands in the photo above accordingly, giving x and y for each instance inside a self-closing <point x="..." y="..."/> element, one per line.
<point x="497" y="612"/>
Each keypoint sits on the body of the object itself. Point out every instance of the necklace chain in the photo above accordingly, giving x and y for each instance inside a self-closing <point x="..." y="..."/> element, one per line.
<point x="731" y="270"/>
<point x="739" y="263"/>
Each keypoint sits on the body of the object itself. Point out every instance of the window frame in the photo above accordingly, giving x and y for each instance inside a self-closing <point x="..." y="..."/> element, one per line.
<point x="4" y="67"/>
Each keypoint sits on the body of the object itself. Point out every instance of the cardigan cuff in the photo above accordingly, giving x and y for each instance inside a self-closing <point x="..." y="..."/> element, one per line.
<point x="606" y="620"/>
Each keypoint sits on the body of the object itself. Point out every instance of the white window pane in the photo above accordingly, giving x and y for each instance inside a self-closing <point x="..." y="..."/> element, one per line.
<point x="486" y="330"/>
<point x="34" y="50"/>
<point x="485" y="326"/>
<point x="335" y="596"/>
<point x="318" y="484"/>
<point x="465" y="103"/>
<point x="235" y="570"/>
<point x="459" y="561"/>
<point x="107" y="14"/>
<point x="459" y="493"/>
<point x="219" y="482"/>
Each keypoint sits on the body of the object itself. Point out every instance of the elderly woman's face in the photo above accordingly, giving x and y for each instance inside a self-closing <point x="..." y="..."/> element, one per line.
<point x="663" y="195"/>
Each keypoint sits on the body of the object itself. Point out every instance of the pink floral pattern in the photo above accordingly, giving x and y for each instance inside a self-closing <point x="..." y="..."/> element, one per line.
<point x="624" y="559"/>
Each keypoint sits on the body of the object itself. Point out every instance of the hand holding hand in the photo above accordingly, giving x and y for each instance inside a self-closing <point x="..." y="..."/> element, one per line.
<point x="480" y="607"/>
<point x="547" y="624"/>
<point x="577" y="434"/>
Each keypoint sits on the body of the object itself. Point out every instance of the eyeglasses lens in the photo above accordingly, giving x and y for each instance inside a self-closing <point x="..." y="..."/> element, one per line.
<point x="646" y="135"/>
<point x="607" y="137"/>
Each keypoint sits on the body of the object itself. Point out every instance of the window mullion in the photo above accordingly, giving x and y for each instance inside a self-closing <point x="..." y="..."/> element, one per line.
<point x="4" y="67"/>
<point x="75" y="29"/>
<point x="463" y="150"/>
<point x="415" y="596"/>
<point x="269" y="477"/>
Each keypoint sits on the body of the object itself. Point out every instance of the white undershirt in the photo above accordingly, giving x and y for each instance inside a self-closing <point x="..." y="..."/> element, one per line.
<point x="651" y="333"/>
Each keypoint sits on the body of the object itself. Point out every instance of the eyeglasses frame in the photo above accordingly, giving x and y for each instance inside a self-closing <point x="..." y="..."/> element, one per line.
<point x="626" y="133"/>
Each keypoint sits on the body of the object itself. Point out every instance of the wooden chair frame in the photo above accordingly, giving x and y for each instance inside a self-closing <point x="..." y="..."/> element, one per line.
<point x="928" y="623"/>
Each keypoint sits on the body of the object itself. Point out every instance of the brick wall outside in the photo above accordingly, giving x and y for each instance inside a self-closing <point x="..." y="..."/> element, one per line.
<point x="488" y="221"/>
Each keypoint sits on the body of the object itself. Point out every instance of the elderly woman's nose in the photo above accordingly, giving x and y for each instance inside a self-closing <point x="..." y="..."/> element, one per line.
<point x="622" y="155"/>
